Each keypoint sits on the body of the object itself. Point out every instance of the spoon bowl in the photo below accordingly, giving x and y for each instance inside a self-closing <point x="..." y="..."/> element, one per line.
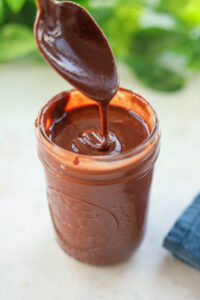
<point x="74" y="45"/>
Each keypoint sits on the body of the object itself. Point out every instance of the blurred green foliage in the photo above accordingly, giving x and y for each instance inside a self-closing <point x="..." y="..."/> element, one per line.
<point x="158" y="40"/>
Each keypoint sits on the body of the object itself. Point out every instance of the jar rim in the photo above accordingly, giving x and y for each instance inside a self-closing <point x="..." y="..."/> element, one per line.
<point x="127" y="157"/>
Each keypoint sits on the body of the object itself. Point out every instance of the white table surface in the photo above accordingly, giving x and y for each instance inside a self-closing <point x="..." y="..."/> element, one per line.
<point x="32" y="266"/>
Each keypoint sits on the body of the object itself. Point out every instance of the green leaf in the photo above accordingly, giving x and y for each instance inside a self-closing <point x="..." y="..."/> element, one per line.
<point x="194" y="54"/>
<point x="153" y="44"/>
<point x="118" y="23"/>
<point x="102" y="14"/>
<point x="26" y="15"/>
<point x="154" y="40"/>
<point x="1" y="11"/>
<point x="186" y="10"/>
<point x="84" y="3"/>
<point x="173" y="6"/>
<point x="156" y="76"/>
<point x="15" y="5"/>
<point x="191" y="13"/>
<point x="15" y="41"/>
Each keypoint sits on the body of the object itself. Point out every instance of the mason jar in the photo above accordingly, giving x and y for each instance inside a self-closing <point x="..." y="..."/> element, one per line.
<point x="98" y="204"/>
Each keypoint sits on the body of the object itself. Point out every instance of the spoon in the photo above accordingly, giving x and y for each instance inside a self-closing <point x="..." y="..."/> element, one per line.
<point x="74" y="45"/>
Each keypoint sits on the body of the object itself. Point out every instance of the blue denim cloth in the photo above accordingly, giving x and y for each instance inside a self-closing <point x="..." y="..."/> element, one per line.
<point x="183" y="240"/>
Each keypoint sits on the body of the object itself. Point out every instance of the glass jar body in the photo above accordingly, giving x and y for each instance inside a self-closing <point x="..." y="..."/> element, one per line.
<point x="99" y="205"/>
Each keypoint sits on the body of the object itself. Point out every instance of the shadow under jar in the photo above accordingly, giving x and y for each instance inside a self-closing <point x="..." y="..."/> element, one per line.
<point x="98" y="204"/>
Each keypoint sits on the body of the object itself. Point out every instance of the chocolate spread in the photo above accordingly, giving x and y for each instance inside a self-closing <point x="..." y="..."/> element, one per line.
<point x="74" y="45"/>
<point x="72" y="130"/>
<point x="98" y="170"/>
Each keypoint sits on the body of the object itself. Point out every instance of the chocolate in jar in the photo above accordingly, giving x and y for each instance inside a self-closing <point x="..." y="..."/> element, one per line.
<point x="98" y="143"/>
<point x="98" y="203"/>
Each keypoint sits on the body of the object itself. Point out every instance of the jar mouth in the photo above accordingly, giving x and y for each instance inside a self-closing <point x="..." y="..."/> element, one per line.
<point x="136" y="154"/>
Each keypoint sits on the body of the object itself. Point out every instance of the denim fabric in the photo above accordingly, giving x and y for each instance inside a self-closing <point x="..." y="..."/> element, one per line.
<point x="183" y="240"/>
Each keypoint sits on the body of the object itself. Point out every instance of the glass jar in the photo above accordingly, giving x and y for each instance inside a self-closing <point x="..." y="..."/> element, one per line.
<point x="98" y="204"/>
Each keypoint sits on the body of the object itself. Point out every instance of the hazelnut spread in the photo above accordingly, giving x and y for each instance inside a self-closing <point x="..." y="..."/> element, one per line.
<point x="98" y="142"/>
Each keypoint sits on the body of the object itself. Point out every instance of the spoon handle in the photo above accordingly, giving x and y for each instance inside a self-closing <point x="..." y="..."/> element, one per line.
<point x="44" y="5"/>
<point x="47" y="9"/>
